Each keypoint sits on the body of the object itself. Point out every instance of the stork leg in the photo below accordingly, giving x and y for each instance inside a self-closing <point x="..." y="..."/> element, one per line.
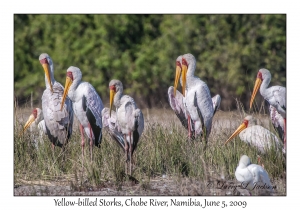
<point x="260" y="162"/>
<point x="130" y="152"/>
<point x="189" y="126"/>
<point x="82" y="141"/>
<point x="284" y="129"/>
<point x="91" y="142"/>
<point x="52" y="147"/>
<point x="126" y="154"/>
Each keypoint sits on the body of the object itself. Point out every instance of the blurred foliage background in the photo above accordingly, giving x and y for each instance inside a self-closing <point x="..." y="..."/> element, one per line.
<point x="140" y="50"/>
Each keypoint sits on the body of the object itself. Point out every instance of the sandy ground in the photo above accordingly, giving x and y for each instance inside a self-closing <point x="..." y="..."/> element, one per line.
<point x="159" y="186"/>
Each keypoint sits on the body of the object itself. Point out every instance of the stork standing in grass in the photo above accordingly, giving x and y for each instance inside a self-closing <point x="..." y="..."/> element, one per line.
<point x="194" y="107"/>
<point x="275" y="95"/>
<point x="87" y="106"/>
<point x="58" y="115"/>
<point x="36" y="123"/>
<point x="130" y="119"/>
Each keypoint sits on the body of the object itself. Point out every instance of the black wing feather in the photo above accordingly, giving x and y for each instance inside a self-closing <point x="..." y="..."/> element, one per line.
<point x="92" y="120"/>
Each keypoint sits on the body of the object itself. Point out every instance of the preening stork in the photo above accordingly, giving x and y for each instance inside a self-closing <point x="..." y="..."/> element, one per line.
<point x="256" y="135"/>
<point x="36" y="123"/>
<point x="130" y="119"/>
<point x="109" y="121"/>
<point x="253" y="176"/>
<point x="177" y="103"/>
<point x="195" y="107"/>
<point x="275" y="95"/>
<point x="87" y="106"/>
<point x="58" y="121"/>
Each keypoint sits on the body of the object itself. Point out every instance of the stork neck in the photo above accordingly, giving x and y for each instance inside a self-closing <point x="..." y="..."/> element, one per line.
<point x="191" y="70"/>
<point x="73" y="88"/>
<point x="191" y="80"/>
<point x="264" y="86"/>
<point x="51" y="73"/>
<point x="242" y="166"/>
<point x="39" y="118"/>
<point x="190" y="77"/>
<point x="117" y="98"/>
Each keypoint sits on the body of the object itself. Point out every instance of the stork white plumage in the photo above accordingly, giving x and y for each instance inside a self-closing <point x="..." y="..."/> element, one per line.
<point x="87" y="106"/>
<point x="130" y="119"/>
<point x="58" y="121"/>
<point x="177" y="103"/>
<point x="253" y="176"/>
<point x="275" y="95"/>
<point x="36" y="123"/>
<point x="256" y="135"/>
<point x="109" y="121"/>
<point x="277" y="121"/>
<point x="196" y="98"/>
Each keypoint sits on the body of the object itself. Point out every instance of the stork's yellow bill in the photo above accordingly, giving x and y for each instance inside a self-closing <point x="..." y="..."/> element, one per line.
<point x="69" y="82"/>
<point x="112" y="92"/>
<point x="242" y="127"/>
<point x="256" y="87"/>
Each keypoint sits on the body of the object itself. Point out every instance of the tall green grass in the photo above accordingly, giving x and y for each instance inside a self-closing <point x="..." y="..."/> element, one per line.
<point x="164" y="149"/>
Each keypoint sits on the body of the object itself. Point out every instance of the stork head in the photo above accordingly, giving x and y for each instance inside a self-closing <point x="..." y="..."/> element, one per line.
<point x="178" y="73"/>
<point x="188" y="62"/>
<point x="36" y="115"/>
<point x="74" y="75"/>
<point x="261" y="75"/>
<point x="114" y="87"/>
<point x="248" y="121"/>
<point x="244" y="161"/>
<point x="46" y="62"/>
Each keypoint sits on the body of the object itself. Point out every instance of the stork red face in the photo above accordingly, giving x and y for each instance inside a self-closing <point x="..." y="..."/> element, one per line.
<point x="31" y="119"/>
<point x="257" y="85"/>
<point x="69" y="81"/>
<point x="46" y="68"/>
<point x="184" y="71"/>
<point x="112" y="93"/>
<point x="243" y="126"/>
<point x="177" y="76"/>
<point x="180" y="69"/>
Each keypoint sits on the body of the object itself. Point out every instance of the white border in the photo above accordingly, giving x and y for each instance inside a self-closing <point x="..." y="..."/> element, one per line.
<point x="58" y="6"/>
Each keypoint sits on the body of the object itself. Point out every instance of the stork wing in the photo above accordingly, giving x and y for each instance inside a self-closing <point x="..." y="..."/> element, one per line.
<point x="93" y="106"/>
<point x="204" y="104"/>
<point x="277" y="121"/>
<point x="58" y="123"/>
<point x="216" y="100"/>
<point x="177" y="104"/>
<point x="135" y="121"/>
<point x="261" y="177"/>
<point x="260" y="137"/>
<point x="279" y="94"/>
<point x="111" y="126"/>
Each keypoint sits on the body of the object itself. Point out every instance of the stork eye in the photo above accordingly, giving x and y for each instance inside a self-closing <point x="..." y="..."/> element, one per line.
<point x="259" y="75"/>
<point x="70" y="75"/>
<point x="184" y="62"/>
<point x="113" y="87"/>
<point x="246" y="123"/>
<point x="44" y="61"/>
<point x="178" y="64"/>
<point x="34" y="113"/>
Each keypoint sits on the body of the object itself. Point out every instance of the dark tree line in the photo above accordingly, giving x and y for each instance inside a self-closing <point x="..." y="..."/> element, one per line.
<point x="140" y="50"/>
